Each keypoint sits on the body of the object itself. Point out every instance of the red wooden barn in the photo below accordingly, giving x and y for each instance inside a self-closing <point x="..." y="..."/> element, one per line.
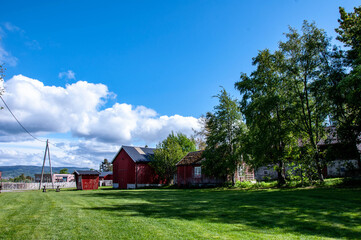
<point x="106" y="176"/>
<point x="131" y="168"/>
<point x="86" y="180"/>
<point x="189" y="172"/>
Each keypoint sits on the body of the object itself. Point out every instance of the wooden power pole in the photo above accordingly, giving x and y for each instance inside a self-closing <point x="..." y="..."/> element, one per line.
<point x="42" y="170"/>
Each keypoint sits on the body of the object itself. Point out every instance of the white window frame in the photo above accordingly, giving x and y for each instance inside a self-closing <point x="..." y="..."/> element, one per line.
<point x="197" y="172"/>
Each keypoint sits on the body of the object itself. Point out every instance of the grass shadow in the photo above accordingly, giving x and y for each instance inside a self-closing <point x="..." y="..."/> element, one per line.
<point x="334" y="213"/>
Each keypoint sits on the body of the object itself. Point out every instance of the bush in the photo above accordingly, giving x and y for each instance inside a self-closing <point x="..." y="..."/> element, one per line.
<point x="246" y="184"/>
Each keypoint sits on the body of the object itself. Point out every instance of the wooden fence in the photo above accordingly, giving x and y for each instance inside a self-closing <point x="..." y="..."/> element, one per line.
<point x="11" y="186"/>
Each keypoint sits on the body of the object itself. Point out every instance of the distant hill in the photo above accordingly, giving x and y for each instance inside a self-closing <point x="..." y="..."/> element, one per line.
<point x="14" y="171"/>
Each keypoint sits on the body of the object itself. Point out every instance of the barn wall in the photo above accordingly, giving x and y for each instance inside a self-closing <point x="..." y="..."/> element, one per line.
<point x="108" y="177"/>
<point x="90" y="182"/>
<point x="123" y="170"/>
<point x="147" y="175"/>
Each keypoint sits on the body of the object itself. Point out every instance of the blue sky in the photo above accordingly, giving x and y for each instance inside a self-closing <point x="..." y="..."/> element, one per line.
<point x="163" y="60"/>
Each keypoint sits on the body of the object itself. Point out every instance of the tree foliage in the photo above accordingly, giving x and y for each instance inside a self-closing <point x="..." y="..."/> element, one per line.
<point x="170" y="151"/>
<point x="224" y="127"/>
<point x="64" y="171"/>
<point x="345" y="86"/>
<point x="307" y="59"/>
<point x="200" y="136"/>
<point x="283" y="99"/>
<point x="106" y="166"/>
<point x="265" y="105"/>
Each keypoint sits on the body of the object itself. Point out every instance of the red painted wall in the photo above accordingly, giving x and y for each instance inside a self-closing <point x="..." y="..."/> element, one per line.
<point x="89" y="182"/>
<point x="108" y="177"/>
<point x="185" y="176"/>
<point x="125" y="171"/>
<point x="147" y="175"/>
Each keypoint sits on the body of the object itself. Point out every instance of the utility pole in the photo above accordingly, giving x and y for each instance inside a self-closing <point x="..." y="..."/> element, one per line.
<point x="42" y="170"/>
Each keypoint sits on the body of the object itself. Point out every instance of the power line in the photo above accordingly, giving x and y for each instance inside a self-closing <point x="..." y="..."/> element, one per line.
<point x="65" y="150"/>
<point x="20" y="123"/>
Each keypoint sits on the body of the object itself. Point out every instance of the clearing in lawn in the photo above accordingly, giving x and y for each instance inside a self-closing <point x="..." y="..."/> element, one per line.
<point x="182" y="214"/>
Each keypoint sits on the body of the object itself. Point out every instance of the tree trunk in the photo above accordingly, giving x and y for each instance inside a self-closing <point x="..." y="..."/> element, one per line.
<point x="359" y="162"/>
<point x="319" y="169"/>
<point x="281" y="175"/>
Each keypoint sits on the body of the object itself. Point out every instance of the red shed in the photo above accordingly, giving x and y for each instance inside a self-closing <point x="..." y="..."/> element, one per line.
<point x="131" y="168"/>
<point x="86" y="180"/>
<point x="189" y="172"/>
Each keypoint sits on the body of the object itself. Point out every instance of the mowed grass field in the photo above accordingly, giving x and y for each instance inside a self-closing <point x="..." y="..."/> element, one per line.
<point x="182" y="214"/>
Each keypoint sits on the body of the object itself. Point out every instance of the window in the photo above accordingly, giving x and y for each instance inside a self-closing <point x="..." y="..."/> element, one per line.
<point x="240" y="170"/>
<point x="197" y="172"/>
<point x="265" y="172"/>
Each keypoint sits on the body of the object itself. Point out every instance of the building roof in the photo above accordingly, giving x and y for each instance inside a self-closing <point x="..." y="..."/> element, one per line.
<point x="137" y="154"/>
<point x="103" y="174"/>
<point x="192" y="158"/>
<point x="86" y="172"/>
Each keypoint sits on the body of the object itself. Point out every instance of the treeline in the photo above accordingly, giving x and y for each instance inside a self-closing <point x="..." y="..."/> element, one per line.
<point x="300" y="99"/>
<point x="305" y="93"/>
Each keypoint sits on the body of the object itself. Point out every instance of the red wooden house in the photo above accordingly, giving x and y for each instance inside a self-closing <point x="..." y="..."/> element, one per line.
<point x="189" y="172"/>
<point x="131" y="168"/>
<point x="86" y="180"/>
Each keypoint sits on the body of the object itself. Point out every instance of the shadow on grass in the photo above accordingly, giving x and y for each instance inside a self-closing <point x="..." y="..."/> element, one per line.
<point x="334" y="213"/>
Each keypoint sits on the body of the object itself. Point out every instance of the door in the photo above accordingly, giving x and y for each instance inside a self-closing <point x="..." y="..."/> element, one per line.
<point x="123" y="176"/>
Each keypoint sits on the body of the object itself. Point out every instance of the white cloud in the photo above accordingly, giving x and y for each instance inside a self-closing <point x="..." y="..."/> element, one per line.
<point x="78" y="109"/>
<point x="6" y="57"/>
<point x="12" y="28"/>
<point x="68" y="75"/>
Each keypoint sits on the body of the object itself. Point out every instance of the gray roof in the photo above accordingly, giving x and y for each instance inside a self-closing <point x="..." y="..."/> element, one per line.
<point x="138" y="154"/>
<point x="103" y="174"/>
<point x="86" y="172"/>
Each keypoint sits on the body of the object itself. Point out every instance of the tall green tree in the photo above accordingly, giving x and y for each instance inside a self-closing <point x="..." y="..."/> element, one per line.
<point x="170" y="151"/>
<point x="265" y="105"/>
<point x="224" y="128"/>
<point x="345" y="86"/>
<point x="283" y="99"/>
<point x="306" y="60"/>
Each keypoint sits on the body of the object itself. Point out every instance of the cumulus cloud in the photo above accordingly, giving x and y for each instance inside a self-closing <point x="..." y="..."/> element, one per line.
<point x="68" y="75"/>
<point x="78" y="153"/>
<point x="78" y="108"/>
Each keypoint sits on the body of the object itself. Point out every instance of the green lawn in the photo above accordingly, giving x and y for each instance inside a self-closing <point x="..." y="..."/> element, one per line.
<point x="182" y="214"/>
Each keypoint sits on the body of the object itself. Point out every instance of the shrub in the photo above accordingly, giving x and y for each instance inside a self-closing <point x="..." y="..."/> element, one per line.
<point x="246" y="184"/>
